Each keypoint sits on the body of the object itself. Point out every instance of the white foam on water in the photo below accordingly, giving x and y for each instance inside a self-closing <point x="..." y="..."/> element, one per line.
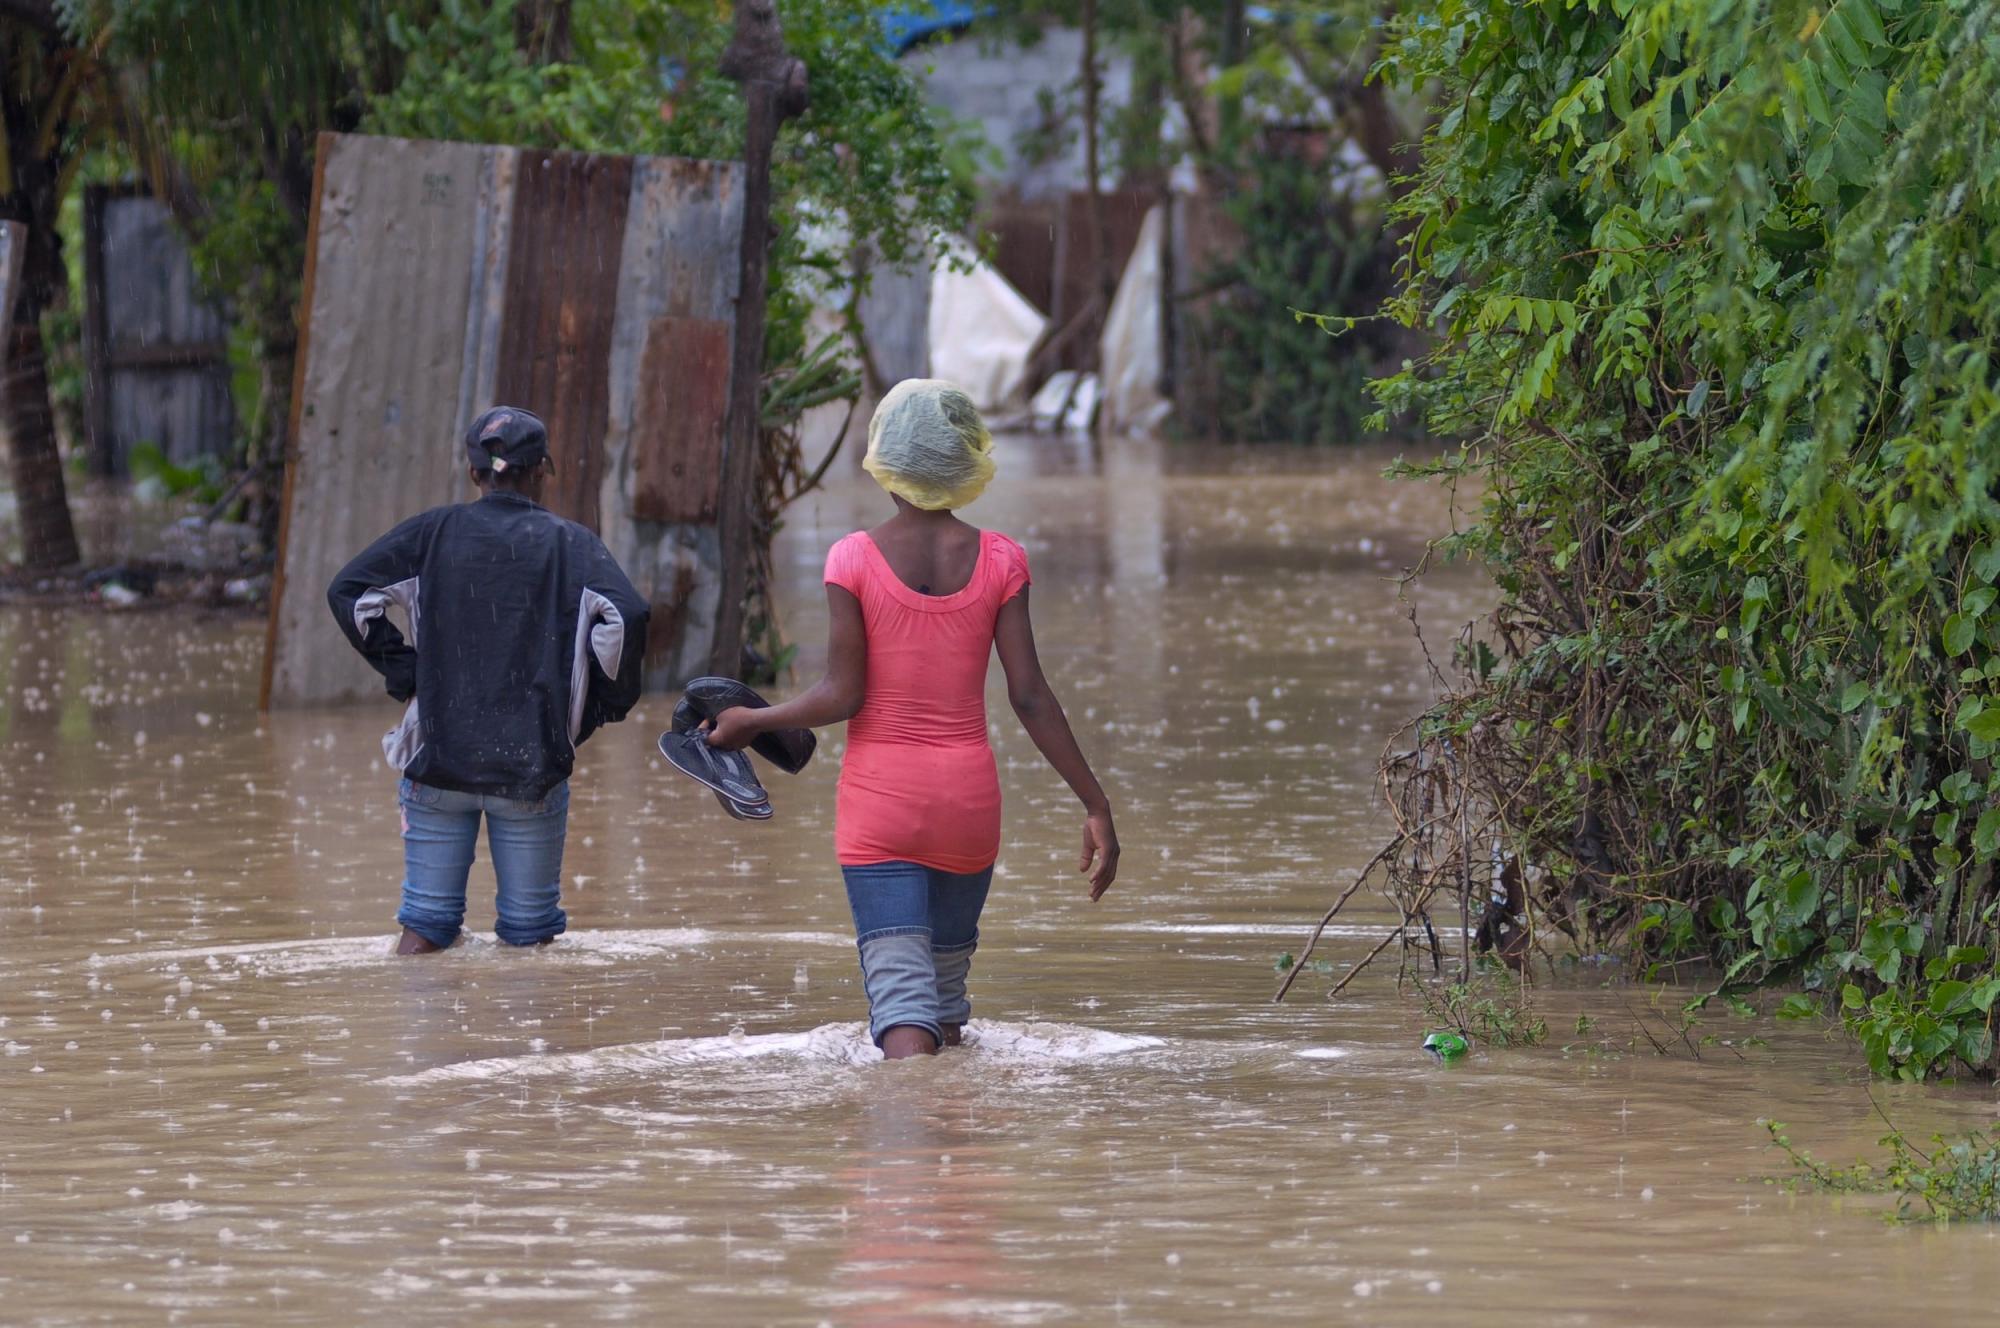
<point x="831" y="1042"/>
<point x="336" y="953"/>
<point x="836" y="1044"/>
<point x="1323" y="1053"/>
<point x="1043" y="1042"/>
<point x="640" y="943"/>
<point x="286" y="956"/>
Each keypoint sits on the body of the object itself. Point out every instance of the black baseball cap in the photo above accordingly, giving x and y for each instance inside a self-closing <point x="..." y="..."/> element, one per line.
<point x="507" y="438"/>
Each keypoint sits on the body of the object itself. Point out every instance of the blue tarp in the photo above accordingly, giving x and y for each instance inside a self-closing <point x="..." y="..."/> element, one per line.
<point x="904" y="28"/>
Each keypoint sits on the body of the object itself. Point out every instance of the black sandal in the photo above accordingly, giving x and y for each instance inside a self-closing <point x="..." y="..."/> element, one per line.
<point x="705" y="698"/>
<point x="727" y="774"/>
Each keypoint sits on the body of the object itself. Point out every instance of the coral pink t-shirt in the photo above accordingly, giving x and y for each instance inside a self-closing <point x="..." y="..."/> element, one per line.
<point x="918" y="783"/>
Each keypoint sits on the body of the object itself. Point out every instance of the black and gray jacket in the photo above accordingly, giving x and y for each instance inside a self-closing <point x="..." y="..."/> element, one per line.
<point x="525" y="638"/>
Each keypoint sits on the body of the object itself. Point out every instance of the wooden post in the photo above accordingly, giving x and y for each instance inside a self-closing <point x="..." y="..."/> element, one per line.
<point x="774" y="89"/>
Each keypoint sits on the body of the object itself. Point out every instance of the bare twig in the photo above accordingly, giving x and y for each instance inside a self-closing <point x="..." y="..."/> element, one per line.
<point x="1313" y="941"/>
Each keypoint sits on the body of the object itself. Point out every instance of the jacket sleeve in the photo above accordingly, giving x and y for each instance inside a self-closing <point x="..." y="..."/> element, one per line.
<point x="381" y="575"/>
<point x="616" y="651"/>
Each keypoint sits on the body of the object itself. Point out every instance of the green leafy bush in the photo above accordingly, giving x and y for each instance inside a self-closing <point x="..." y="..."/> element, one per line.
<point x="869" y="149"/>
<point x="1300" y="245"/>
<point x="1492" y="1009"/>
<point x="1718" y="291"/>
<point x="156" y="479"/>
<point x="1958" y="1180"/>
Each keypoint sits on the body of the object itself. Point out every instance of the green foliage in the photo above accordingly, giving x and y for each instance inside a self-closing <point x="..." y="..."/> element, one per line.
<point x="1492" y="1009"/>
<point x="1958" y="1181"/>
<point x="266" y="65"/>
<point x="1290" y="66"/>
<point x="868" y="169"/>
<point x="634" y="76"/>
<point x="464" y="78"/>
<point x="155" y="478"/>
<point x="1210" y="87"/>
<point x="1909" y="1028"/>
<point x="1287" y="961"/>
<point x="643" y="78"/>
<point x="1718" y="302"/>
<point x="222" y="102"/>
<point x="1276" y="380"/>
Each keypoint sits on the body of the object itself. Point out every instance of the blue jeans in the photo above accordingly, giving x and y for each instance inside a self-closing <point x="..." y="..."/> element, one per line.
<point x="440" y="838"/>
<point x="917" y="928"/>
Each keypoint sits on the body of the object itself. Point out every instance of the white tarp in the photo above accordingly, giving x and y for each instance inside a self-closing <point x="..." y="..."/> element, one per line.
<point x="1067" y="403"/>
<point x="1129" y="351"/>
<point x="982" y="330"/>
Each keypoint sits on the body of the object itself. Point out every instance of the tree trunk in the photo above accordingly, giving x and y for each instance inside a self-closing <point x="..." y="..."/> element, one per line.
<point x="1104" y="282"/>
<point x="774" y="88"/>
<point x="272" y="443"/>
<point x="48" y="538"/>
<point x="1229" y="55"/>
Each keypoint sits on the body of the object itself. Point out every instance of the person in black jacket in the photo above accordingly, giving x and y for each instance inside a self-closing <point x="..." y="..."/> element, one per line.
<point x="525" y="638"/>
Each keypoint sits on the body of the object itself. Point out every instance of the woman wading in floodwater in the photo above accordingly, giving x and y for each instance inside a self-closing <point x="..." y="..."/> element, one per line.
<point x="917" y="606"/>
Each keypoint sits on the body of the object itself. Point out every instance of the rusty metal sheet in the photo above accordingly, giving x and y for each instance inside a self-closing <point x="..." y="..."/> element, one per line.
<point x="677" y="456"/>
<point x="446" y="277"/>
<point x="485" y="310"/>
<point x="681" y="246"/>
<point x="562" y="284"/>
<point x="385" y="355"/>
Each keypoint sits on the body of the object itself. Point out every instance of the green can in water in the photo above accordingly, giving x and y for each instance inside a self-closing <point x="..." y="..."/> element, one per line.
<point x="1447" y="1045"/>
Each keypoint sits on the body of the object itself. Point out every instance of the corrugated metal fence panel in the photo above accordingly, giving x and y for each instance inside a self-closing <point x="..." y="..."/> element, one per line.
<point x="569" y="234"/>
<point x="485" y="310"/>
<point x="160" y="367"/>
<point x="450" y="277"/>
<point x="679" y="278"/>
<point x="684" y="376"/>
<point x="399" y="253"/>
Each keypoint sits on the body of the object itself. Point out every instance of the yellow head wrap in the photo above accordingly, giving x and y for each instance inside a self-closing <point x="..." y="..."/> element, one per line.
<point x="928" y="446"/>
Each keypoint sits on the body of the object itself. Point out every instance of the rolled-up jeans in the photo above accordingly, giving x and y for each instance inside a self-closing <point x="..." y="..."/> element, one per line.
<point x="917" y="928"/>
<point x="440" y="840"/>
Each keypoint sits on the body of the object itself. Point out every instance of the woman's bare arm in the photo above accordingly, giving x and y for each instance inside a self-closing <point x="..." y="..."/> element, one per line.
<point x="1041" y="714"/>
<point x="831" y="700"/>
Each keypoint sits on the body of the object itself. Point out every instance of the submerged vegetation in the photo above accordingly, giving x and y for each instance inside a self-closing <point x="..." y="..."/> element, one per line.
<point x="1957" y="1180"/>
<point x="1717" y="306"/>
<point x="1491" y="1009"/>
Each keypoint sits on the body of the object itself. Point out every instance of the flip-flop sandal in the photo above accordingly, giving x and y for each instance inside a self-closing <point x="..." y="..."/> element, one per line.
<point x="762" y="811"/>
<point x="727" y="774"/>
<point x="705" y="698"/>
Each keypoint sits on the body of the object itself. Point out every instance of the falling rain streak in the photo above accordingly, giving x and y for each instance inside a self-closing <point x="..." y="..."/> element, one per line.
<point x="221" y="1100"/>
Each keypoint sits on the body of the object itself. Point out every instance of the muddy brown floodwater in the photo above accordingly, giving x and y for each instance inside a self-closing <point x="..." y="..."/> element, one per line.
<point x="223" y="1101"/>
